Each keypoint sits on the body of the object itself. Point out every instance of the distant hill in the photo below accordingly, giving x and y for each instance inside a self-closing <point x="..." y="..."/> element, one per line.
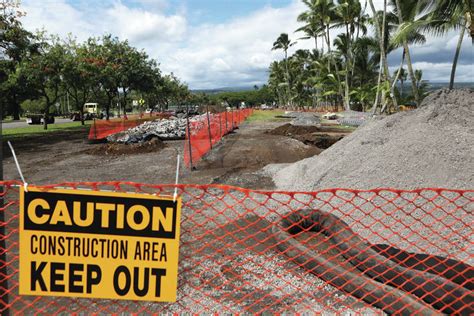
<point x="431" y="86"/>
<point x="407" y="86"/>
<point x="224" y="89"/>
<point x="438" y="85"/>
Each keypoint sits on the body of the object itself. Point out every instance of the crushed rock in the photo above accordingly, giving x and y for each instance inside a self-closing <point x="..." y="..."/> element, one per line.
<point x="432" y="146"/>
<point x="306" y="119"/>
<point x="173" y="128"/>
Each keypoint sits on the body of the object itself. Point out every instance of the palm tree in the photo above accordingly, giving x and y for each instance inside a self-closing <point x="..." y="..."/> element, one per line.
<point x="284" y="43"/>
<point x="380" y="28"/>
<point x="275" y="79"/>
<point x="312" y="27"/>
<point x="410" y="14"/>
<point x="401" y="75"/>
<point x="418" y="75"/>
<point x="452" y="14"/>
<point x="349" y="14"/>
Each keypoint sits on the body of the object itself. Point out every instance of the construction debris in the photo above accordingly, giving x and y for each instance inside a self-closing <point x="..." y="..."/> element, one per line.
<point x="164" y="129"/>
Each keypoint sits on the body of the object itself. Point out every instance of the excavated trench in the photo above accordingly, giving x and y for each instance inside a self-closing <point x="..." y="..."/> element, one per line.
<point x="323" y="136"/>
<point x="406" y="283"/>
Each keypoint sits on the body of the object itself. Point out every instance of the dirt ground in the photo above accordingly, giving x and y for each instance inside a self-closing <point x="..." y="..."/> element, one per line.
<point x="322" y="137"/>
<point x="235" y="160"/>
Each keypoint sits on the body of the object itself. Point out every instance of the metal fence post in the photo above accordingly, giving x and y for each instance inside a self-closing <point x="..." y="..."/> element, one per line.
<point x="220" y="125"/>
<point x="209" y="125"/>
<point x="226" y="127"/>
<point x="95" y="130"/>
<point x="189" y="139"/>
<point x="232" y="114"/>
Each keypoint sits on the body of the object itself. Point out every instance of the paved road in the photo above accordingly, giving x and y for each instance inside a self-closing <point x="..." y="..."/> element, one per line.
<point x="23" y="123"/>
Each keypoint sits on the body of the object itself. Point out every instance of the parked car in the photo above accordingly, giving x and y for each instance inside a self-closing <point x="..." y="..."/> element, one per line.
<point x="35" y="119"/>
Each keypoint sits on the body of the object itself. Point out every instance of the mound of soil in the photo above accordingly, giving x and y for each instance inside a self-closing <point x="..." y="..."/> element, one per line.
<point x="289" y="130"/>
<point x="428" y="147"/>
<point x="117" y="149"/>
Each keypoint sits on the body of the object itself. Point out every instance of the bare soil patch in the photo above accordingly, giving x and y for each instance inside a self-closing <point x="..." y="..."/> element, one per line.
<point x="236" y="160"/>
<point x="152" y="145"/>
<point x="321" y="137"/>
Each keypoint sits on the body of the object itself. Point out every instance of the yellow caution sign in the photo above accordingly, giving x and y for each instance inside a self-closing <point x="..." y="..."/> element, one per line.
<point x="99" y="245"/>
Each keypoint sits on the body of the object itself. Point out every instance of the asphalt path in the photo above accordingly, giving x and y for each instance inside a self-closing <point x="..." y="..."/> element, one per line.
<point x="22" y="123"/>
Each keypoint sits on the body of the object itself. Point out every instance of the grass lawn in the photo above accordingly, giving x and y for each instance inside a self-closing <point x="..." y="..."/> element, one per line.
<point x="267" y="115"/>
<point x="37" y="130"/>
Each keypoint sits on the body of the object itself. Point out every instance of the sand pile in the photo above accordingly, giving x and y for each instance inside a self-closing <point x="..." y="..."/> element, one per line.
<point x="432" y="146"/>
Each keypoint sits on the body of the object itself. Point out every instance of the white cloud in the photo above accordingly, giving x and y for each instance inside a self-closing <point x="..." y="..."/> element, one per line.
<point x="140" y="26"/>
<point x="243" y="45"/>
<point x="57" y="17"/>
<point x="442" y="71"/>
<point x="236" y="52"/>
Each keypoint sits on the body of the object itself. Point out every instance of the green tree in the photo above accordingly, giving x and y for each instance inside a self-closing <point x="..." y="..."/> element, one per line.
<point x="312" y="27"/>
<point x="78" y="75"/>
<point x="449" y="15"/>
<point x="15" y="44"/>
<point x="350" y="17"/>
<point x="43" y="72"/>
<point x="284" y="43"/>
<point x="408" y="13"/>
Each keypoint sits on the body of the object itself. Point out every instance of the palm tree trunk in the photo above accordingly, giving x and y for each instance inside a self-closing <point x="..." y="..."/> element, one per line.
<point x="348" y="64"/>
<point x="380" y="30"/>
<point x="398" y="76"/>
<point x="408" y="57"/>
<point x="290" y="103"/>
<point x="341" y="93"/>
<point x="379" y="80"/>
<point x="456" y="56"/>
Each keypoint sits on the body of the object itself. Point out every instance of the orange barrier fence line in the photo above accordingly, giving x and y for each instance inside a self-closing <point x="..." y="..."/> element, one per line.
<point x="335" y="251"/>
<point x="100" y="129"/>
<point x="205" y="132"/>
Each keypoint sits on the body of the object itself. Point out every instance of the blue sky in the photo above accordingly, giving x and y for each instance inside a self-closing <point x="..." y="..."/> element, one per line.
<point x="216" y="43"/>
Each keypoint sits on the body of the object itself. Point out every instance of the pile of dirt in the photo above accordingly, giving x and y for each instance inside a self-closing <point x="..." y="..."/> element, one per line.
<point x="432" y="146"/>
<point x="289" y="130"/>
<point x="117" y="149"/>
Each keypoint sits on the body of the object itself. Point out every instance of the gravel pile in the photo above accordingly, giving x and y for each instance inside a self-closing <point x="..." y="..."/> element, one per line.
<point x="174" y="128"/>
<point x="305" y="119"/>
<point x="432" y="146"/>
<point x="353" y="118"/>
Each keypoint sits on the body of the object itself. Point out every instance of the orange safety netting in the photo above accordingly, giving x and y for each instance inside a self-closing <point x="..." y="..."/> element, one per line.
<point x="337" y="251"/>
<point x="208" y="130"/>
<point x="100" y="129"/>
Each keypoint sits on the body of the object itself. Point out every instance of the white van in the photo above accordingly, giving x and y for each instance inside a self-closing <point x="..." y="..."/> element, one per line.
<point x="90" y="108"/>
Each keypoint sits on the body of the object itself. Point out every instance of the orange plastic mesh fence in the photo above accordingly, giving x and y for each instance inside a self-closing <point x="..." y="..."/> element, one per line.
<point x="336" y="251"/>
<point x="100" y="129"/>
<point x="207" y="132"/>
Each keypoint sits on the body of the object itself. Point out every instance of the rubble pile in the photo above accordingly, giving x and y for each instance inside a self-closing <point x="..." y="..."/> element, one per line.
<point x="164" y="129"/>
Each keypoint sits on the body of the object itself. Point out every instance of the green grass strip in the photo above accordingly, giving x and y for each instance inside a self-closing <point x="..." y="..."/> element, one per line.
<point x="36" y="130"/>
